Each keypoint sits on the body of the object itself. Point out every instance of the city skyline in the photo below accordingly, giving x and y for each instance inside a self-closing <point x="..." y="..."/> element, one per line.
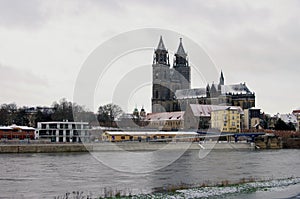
<point x="43" y="44"/>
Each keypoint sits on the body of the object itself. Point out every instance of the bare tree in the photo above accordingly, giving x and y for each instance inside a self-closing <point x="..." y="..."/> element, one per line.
<point x="108" y="113"/>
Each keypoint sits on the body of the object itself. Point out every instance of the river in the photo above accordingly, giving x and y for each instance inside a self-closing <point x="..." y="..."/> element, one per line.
<point x="52" y="175"/>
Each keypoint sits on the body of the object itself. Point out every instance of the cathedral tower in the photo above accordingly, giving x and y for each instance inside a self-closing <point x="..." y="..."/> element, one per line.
<point x="181" y="65"/>
<point x="161" y="95"/>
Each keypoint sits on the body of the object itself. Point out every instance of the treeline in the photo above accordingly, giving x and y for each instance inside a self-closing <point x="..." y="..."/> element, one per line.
<point x="59" y="111"/>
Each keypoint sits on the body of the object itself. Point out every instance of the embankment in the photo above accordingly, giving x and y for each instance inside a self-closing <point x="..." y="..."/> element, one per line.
<point x="43" y="148"/>
<point x="99" y="147"/>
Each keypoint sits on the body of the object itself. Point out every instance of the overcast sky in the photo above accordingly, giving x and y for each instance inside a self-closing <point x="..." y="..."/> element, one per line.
<point x="43" y="44"/>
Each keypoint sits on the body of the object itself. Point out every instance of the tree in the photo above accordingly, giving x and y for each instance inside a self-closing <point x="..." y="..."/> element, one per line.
<point x="42" y="116"/>
<point x="281" y="125"/>
<point x="80" y="113"/>
<point x="8" y="114"/>
<point x="21" y="117"/>
<point x="108" y="113"/>
<point x="4" y="114"/>
<point x="62" y="111"/>
<point x="291" y="126"/>
<point x="65" y="110"/>
<point x="265" y="122"/>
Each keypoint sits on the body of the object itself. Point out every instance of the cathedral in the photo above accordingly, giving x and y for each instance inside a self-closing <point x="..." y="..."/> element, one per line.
<point x="171" y="86"/>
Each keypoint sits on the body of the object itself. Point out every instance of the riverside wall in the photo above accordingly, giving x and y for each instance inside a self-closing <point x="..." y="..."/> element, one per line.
<point x="275" y="139"/>
<point x="43" y="148"/>
<point x="102" y="147"/>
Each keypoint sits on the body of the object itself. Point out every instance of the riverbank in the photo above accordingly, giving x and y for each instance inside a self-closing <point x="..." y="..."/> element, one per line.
<point x="43" y="148"/>
<point x="279" y="188"/>
<point x="245" y="188"/>
<point x="128" y="146"/>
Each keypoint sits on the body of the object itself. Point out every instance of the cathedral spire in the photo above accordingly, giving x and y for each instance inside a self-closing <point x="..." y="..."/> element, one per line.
<point x="161" y="55"/>
<point x="221" y="79"/>
<point x="180" y="51"/>
<point x="161" y="45"/>
<point x="180" y="58"/>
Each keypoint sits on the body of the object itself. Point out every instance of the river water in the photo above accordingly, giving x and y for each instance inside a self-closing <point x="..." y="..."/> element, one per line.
<point x="54" y="175"/>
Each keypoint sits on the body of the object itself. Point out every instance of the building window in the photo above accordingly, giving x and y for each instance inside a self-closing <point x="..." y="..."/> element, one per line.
<point x="233" y="123"/>
<point x="123" y="137"/>
<point x="52" y="126"/>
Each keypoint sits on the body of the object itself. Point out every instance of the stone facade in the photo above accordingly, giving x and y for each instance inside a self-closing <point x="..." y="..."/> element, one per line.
<point x="171" y="86"/>
<point x="167" y="80"/>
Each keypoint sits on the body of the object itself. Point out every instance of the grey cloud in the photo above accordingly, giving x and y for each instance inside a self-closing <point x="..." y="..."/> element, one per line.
<point x="22" y="87"/>
<point x="221" y="14"/>
<point x="267" y="49"/>
<point x="21" y="13"/>
<point x="12" y="78"/>
<point x="35" y="13"/>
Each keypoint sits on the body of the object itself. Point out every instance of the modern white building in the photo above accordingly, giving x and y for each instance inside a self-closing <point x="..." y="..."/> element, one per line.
<point x="63" y="131"/>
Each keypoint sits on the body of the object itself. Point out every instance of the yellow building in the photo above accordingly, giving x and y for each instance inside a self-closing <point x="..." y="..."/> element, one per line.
<point x="228" y="120"/>
<point x="122" y="136"/>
